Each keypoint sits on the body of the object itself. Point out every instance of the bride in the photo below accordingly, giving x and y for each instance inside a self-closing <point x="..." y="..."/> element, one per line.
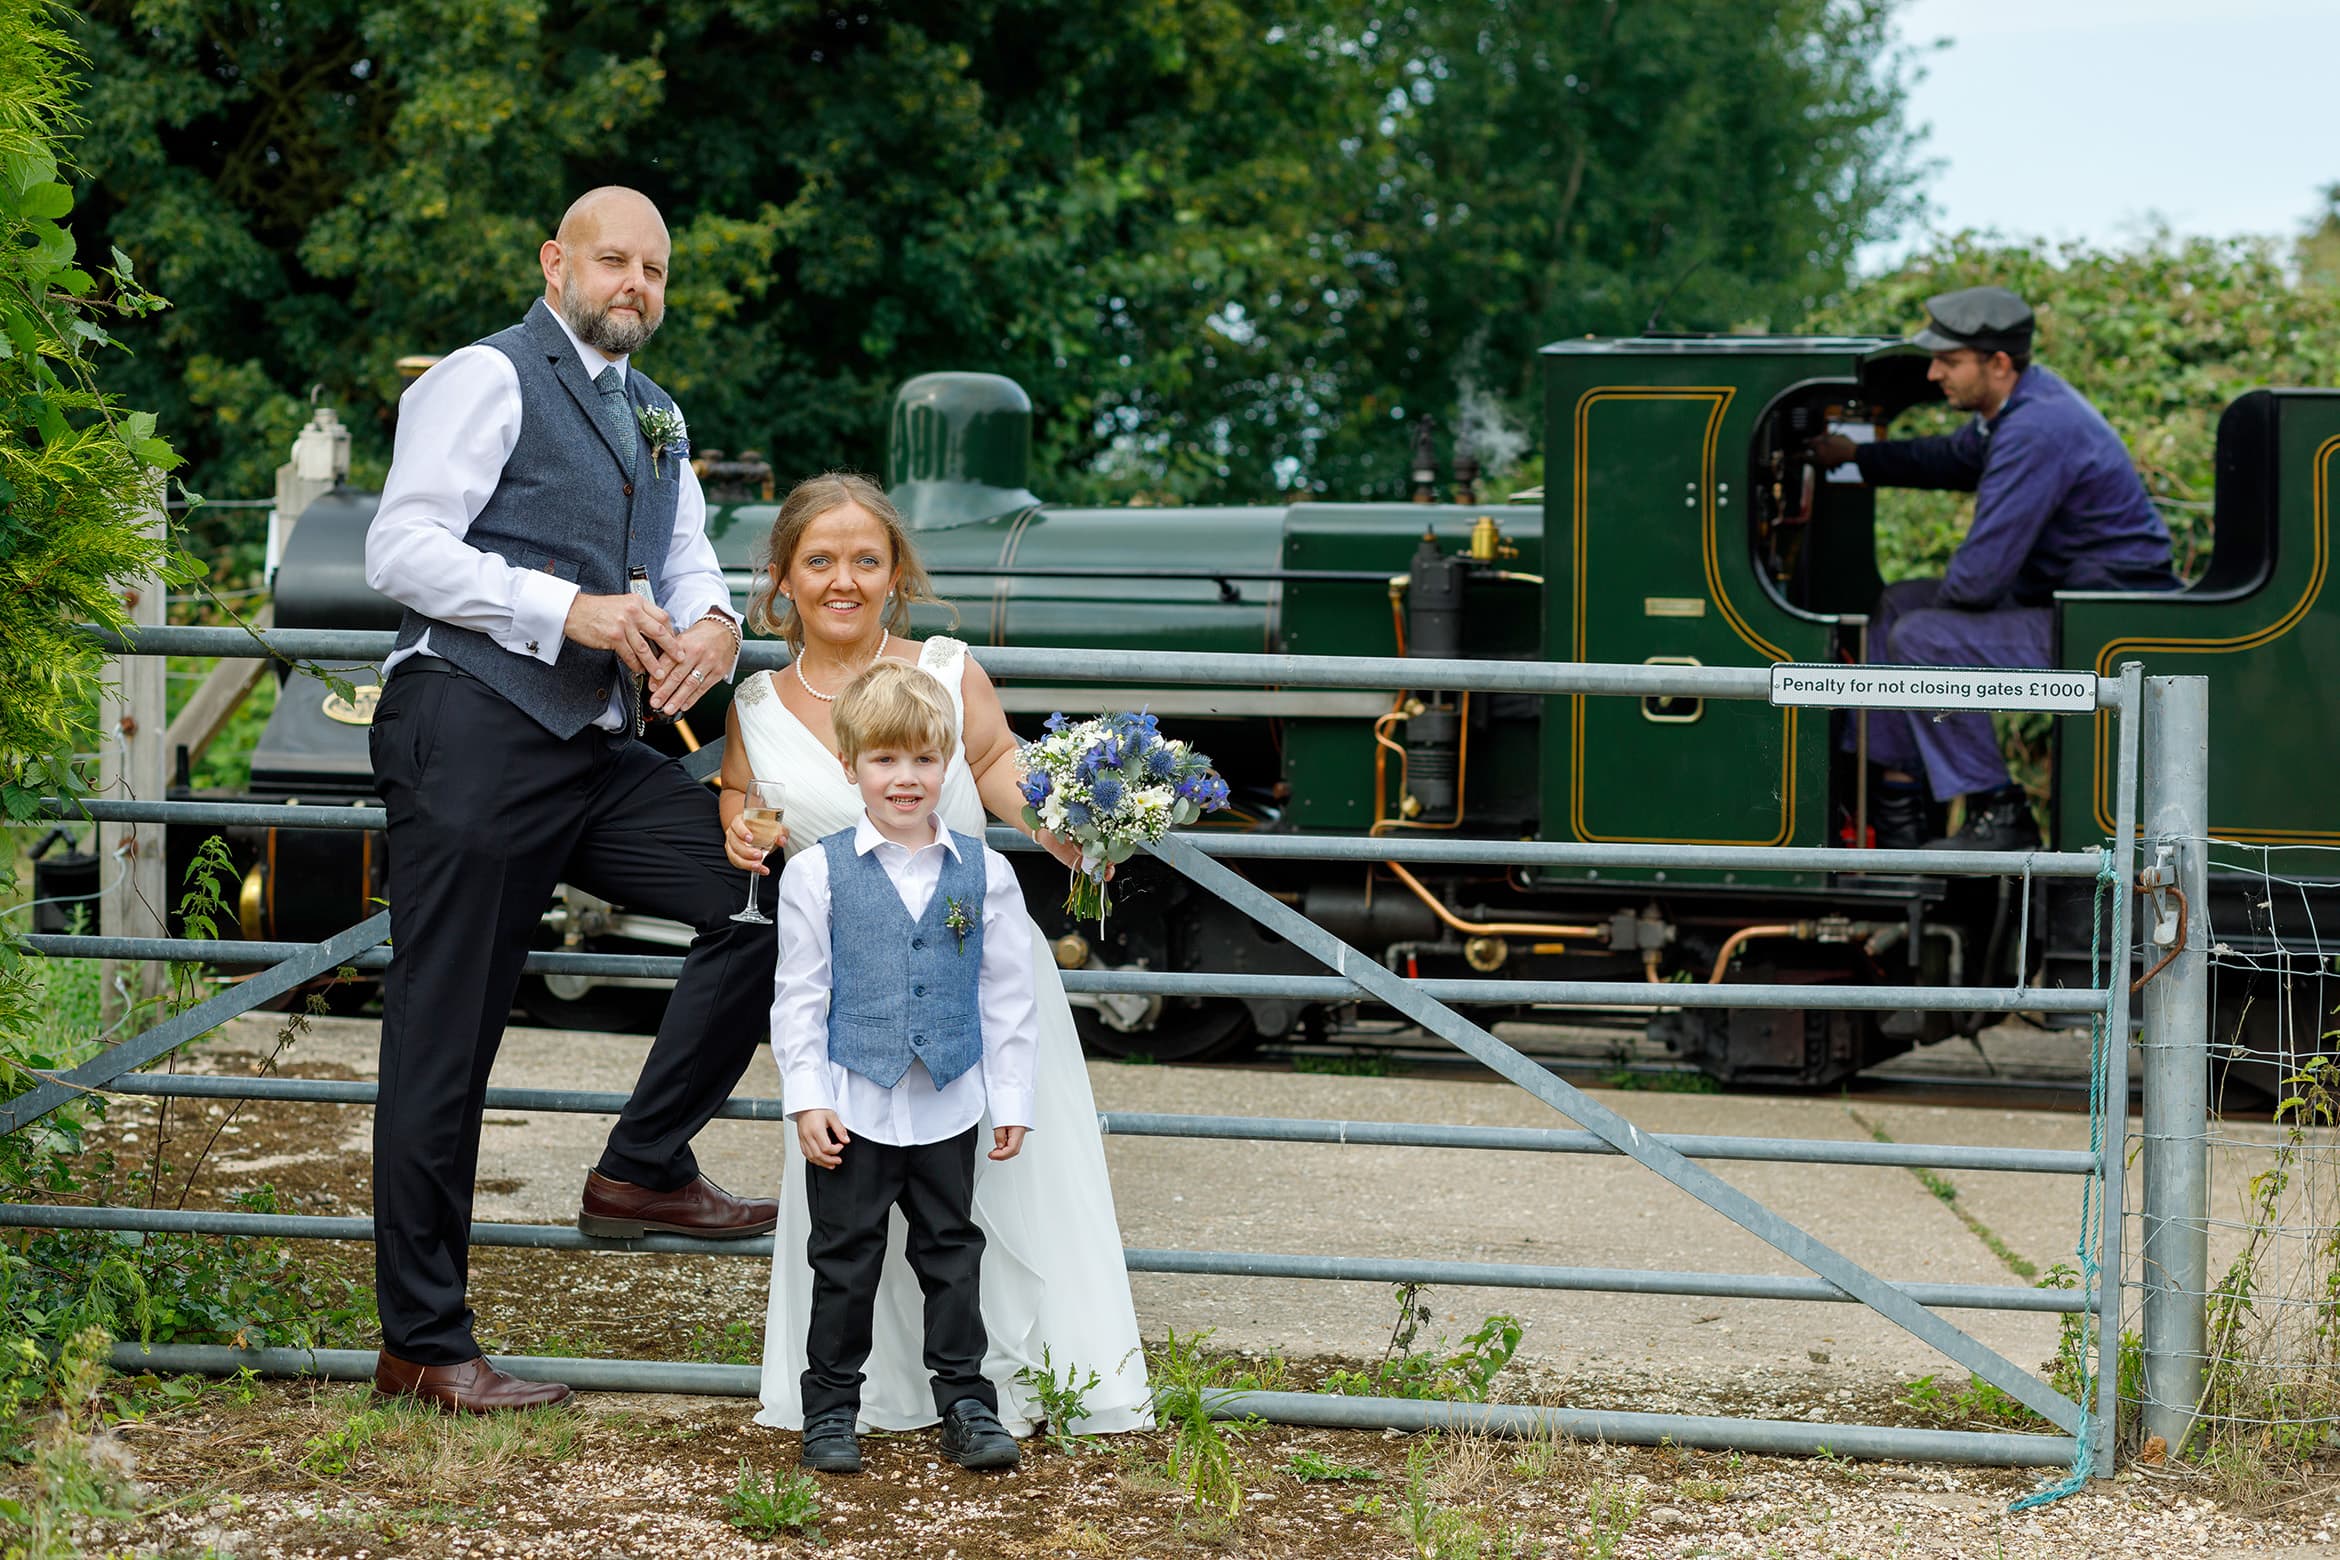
<point x="840" y="576"/>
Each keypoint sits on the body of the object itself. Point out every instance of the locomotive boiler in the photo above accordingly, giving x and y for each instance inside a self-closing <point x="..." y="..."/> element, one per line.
<point x="1681" y="523"/>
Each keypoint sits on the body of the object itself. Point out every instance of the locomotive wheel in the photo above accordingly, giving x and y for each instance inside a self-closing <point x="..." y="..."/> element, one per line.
<point x="1201" y="1029"/>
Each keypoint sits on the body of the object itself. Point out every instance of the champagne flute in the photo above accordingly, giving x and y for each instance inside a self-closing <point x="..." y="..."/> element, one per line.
<point x="762" y="817"/>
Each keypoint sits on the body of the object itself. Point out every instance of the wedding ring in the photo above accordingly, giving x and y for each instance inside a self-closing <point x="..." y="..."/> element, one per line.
<point x="695" y="676"/>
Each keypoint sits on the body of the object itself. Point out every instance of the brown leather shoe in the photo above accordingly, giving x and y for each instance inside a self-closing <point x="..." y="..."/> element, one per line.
<point x="473" y="1387"/>
<point x="620" y="1210"/>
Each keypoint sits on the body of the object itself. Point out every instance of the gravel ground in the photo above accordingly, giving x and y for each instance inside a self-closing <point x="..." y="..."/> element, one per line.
<point x="648" y="1476"/>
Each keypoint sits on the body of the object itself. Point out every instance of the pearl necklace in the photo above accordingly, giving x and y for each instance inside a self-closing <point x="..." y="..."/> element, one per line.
<point x="831" y="698"/>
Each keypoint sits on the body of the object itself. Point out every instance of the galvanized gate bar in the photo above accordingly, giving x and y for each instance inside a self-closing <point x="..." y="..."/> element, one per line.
<point x="1254" y="1129"/>
<point x="1776" y="1437"/>
<point x="1230" y="846"/>
<point x="1302" y="671"/>
<point x="1180" y="983"/>
<point x="137" y="1051"/>
<point x="1227" y="1264"/>
<point x="1699" y="1182"/>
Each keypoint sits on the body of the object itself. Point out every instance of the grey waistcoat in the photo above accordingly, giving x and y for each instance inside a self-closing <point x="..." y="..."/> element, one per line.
<point x="903" y="990"/>
<point x="563" y="504"/>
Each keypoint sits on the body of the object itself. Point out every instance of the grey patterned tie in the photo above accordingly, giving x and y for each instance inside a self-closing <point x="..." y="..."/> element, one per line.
<point x="617" y="415"/>
<point x="617" y="419"/>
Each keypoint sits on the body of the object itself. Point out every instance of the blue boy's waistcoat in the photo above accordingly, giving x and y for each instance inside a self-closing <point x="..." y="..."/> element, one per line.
<point x="903" y="990"/>
<point x="564" y="504"/>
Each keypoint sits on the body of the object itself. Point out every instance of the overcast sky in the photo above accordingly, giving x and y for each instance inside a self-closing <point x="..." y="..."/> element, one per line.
<point x="2089" y="118"/>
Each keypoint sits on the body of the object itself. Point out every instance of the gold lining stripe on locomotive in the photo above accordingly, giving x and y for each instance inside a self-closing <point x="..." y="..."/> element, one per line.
<point x="2320" y="538"/>
<point x="1719" y="399"/>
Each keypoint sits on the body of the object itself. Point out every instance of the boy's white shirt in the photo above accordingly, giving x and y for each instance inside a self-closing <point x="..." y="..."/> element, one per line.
<point x="913" y="1110"/>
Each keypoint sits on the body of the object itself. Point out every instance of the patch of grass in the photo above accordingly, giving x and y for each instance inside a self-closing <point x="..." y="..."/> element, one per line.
<point x="1437" y="1531"/>
<point x="1313" y="1467"/>
<point x="1977" y="1400"/>
<point x="786" y="1502"/>
<point x="1712" y="1491"/>
<point x="1355" y="1064"/>
<point x="405" y="1444"/>
<point x="740" y="1342"/>
<point x="1610" y="1510"/>
<point x="1669" y="1081"/>
<point x="1063" y="1400"/>
<point x="1945" y="1192"/>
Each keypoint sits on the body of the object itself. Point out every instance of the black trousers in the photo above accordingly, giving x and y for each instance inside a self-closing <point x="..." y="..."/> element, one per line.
<point x="934" y="1183"/>
<point x="488" y="811"/>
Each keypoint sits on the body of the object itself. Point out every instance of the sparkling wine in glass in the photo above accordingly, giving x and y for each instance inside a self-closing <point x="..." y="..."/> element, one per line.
<point x="762" y="817"/>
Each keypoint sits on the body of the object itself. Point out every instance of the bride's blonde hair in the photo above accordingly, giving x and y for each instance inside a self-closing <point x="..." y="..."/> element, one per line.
<point x="893" y="705"/>
<point x="807" y="502"/>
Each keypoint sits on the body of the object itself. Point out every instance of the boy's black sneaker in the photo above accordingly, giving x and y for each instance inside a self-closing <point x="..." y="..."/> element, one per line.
<point x="1995" y="820"/>
<point x="829" y="1445"/>
<point x="973" y="1437"/>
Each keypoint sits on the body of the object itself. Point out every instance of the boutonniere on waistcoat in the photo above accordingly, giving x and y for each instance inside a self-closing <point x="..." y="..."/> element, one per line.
<point x="668" y="434"/>
<point x="957" y="922"/>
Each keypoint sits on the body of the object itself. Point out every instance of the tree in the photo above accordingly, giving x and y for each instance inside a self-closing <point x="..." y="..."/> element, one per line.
<point x="77" y="471"/>
<point x="1222" y="247"/>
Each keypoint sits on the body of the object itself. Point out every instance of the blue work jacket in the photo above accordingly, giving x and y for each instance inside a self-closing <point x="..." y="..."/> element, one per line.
<point x="2057" y="504"/>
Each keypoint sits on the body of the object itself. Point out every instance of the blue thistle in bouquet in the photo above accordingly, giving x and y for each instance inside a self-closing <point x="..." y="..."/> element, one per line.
<point x="1109" y="785"/>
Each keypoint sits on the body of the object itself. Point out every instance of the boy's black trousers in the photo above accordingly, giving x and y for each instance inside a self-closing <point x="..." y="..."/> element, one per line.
<point x="934" y="1184"/>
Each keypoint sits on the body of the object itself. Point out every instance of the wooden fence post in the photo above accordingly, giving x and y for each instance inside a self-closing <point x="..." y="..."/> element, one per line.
<point x="134" y="898"/>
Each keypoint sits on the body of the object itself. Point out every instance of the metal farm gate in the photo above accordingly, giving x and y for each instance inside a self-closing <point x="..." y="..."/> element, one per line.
<point x="2162" y="747"/>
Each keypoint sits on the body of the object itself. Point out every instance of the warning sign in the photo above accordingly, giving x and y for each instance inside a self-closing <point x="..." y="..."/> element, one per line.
<point x="1932" y="688"/>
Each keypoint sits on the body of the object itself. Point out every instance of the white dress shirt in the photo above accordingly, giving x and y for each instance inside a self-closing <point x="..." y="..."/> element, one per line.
<point x="913" y="1110"/>
<point x="457" y="425"/>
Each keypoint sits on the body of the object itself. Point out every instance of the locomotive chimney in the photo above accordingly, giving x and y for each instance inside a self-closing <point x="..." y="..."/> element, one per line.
<point x="1425" y="461"/>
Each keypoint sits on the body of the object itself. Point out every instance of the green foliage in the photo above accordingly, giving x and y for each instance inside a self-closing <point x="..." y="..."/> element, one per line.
<point x="739" y="1342"/>
<point x="1229" y="251"/>
<point x="1310" y="1466"/>
<point x="78" y="472"/>
<point x="782" y="1502"/>
<point x="1063" y="1399"/>
<point x="2160" y="337"/>
<point x="1191" y="1389"/>
<point x="1461" y="1371"/>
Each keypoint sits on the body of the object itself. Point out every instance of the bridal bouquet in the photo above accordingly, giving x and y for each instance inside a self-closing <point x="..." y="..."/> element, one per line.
<point x="1108" y="785"/>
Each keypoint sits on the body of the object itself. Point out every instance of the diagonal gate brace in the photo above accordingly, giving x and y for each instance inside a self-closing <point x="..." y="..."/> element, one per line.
<point x="204" y="1017"/>
<point x="1604" y="1123"/>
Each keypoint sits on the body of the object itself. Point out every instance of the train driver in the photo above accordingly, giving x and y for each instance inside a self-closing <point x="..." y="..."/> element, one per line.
<point x="2058" y="506"/>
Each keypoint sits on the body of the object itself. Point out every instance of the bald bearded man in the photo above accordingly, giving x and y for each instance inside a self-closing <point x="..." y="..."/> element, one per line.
<point x="544" y="530"/>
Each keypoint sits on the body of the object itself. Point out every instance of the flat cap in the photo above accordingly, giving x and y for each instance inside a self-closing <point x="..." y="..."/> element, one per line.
<point x="1988" y="319"/>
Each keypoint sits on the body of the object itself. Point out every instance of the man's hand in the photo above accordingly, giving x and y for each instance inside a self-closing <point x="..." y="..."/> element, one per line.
<point x="1006" y="1142"/>
<point x="1832" y="450"/>
<point x="823" y="1137"/>
<point x="638" y="632"/>
<point x="701" y="657"/>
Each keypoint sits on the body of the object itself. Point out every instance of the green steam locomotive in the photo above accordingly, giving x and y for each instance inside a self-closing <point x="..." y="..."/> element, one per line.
<point x="1682" y="523"/>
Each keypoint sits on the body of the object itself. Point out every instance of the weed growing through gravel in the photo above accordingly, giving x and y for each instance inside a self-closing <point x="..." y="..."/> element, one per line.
<point x="740" y="1342"/>
<point x="1310" y="1466"/>
<point x="785" y="1502"/>
<point x="1063" y="1400"/>
<point x="1440" y="1371"/>
<point x="1190" y="1386"/>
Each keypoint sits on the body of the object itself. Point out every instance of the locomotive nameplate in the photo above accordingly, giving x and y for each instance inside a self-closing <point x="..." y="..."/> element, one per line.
<point x="353" y="712"/>
<point x="1932" y="688"/>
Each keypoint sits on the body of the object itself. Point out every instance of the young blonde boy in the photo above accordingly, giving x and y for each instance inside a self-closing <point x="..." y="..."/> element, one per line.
<point x="903" y="1008"/>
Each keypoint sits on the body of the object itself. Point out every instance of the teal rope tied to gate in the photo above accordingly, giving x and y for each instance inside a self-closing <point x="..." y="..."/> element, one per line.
<point x="2084" y="1462"/>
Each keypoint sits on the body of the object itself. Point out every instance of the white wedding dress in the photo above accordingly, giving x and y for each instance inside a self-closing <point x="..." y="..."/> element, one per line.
<point x="1053" y="1277"/>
